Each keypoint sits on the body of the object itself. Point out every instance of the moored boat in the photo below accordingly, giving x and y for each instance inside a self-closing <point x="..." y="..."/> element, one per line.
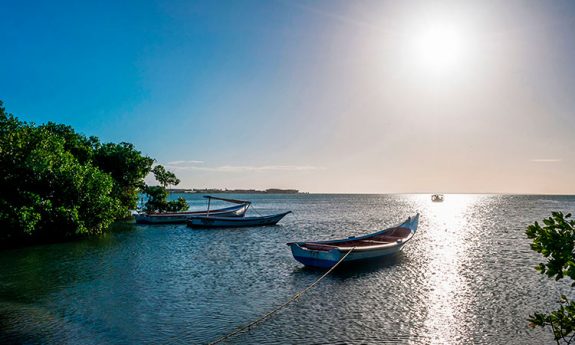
<point x="238" y="210"/>
<point x="210" y="222"/>
<point x="325" y="254"/>
<point x="437" y="197"/>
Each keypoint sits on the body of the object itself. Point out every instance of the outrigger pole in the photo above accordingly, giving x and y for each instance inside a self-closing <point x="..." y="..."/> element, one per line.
<point x="234" y="201"/>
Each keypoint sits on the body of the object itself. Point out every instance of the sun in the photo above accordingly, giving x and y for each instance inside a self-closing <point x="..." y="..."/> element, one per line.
<point x="439" y="47"/>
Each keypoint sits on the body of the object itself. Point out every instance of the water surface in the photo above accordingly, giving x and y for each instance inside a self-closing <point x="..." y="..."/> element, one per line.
<point x="466" y="277"/>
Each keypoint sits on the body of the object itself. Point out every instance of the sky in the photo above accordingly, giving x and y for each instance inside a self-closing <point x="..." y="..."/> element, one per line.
<point x="321" y="96"/>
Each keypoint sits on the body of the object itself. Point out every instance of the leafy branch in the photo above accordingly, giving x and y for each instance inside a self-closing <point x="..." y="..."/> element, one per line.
<point x="555" y="241"/>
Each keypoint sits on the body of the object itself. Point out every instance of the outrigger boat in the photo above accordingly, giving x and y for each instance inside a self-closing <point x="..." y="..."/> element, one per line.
<point x="210" y="222"/>
<point x="325" y="254"/>
<point x="238" y="210"/>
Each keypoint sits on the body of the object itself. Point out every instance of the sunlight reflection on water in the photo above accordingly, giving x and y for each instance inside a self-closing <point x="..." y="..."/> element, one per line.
<point x="466" y="277"/>
<point x="447" y="225"/>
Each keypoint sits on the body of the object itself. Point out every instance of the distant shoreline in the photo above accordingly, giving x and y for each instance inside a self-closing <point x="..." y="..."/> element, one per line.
<point x="295" y="191"/>
<point x="238" y="191"/>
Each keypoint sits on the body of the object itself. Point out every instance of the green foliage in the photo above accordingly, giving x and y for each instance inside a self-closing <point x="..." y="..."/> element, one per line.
<point x="158" y="203"/>
<point x="164" y="177"/>
<point x="177" y="205"/>
<point x="157" y="196"/>
<point x="56" y="184"/>
<point x="127" y="167"/>
<point x="555" y="241"/>
<point x="561" y="321"/>
<point x="78" y="145"/>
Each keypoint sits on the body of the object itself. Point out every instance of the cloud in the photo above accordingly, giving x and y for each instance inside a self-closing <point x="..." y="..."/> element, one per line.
<point x="231" y="168"/>
<point x="183" y="162"/>
<point x="546" y="160"/>
<point x="242" y="168"/>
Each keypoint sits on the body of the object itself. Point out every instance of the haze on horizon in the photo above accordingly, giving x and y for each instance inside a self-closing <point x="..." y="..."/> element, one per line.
<point x="321" y="96"/>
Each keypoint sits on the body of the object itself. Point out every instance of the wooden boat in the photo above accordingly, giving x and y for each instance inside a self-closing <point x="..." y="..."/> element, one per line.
<point x="209" y="222"/>
<point x="437" y="197"/>
<point x="238" y="210"/>
<point x="325" y="254"/>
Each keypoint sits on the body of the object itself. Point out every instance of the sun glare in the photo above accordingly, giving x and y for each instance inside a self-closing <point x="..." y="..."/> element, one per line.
<point x="439" y="47"/>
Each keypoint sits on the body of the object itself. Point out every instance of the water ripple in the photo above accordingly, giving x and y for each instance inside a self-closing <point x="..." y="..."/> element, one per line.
<point x="466" y="277"/>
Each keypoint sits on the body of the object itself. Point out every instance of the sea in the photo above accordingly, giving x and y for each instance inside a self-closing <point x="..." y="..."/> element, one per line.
<point x="466" y="277"/>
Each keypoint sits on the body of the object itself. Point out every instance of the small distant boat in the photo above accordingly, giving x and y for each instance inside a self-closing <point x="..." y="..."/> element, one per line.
<point x="437" y="197"/>
<point x="210" y="222"/>
<point x="238" y="210"/>
<point x="325" y="254"/>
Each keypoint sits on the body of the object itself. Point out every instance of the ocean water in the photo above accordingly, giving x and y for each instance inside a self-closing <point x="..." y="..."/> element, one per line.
<point x="467" y="277"/>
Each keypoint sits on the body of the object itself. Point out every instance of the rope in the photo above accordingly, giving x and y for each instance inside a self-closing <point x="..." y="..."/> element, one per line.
<point x="256" y="211"/>
<point x="296" y="217"/>
<point x="293" y="298"/>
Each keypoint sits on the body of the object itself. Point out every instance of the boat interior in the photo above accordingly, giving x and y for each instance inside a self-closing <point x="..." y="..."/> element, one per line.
<point x="200" y="212"/>
<point x="389" y="236"/>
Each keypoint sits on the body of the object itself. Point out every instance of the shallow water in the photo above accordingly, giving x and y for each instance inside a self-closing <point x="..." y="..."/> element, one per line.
<point x="466" y="277"/>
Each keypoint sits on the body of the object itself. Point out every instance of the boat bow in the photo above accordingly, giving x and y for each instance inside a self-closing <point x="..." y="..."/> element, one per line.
<point x="325" y="254"/>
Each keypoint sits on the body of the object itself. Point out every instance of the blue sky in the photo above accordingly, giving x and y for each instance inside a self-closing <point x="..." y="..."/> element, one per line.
<point x="323" y="96"/>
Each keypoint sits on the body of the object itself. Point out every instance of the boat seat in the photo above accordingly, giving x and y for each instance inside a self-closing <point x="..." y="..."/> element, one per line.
<point x="390" y="238"/>
<point x="375" y="242"/>
<point x="318" y="246"/>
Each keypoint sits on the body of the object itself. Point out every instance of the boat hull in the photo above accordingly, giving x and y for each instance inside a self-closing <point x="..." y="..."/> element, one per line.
<point x="223" y="222"/>
<point x="183" y="217"/>
<point x="328" y="259"/>
<point x="325" y="254"/>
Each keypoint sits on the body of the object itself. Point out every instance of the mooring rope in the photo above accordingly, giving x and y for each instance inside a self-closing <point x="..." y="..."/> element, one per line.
<point x="256" y="211"/>
<point x="293" y="298"/>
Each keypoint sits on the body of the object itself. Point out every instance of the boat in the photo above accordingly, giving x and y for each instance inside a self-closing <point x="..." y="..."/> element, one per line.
<point x="210" y="222"/>
<point x="437" y="197"/>
<point x="237" y="211"/>
<point x="325" y="254"/>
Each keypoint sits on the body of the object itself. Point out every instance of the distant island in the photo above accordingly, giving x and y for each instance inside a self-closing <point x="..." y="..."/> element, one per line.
<point x="237" y="191"/>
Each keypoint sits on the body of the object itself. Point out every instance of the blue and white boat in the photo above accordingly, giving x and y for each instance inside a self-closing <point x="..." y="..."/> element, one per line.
<point x="238" y="210"/>
<point x="209" y="222"/>
<point x="325" y="254"/>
